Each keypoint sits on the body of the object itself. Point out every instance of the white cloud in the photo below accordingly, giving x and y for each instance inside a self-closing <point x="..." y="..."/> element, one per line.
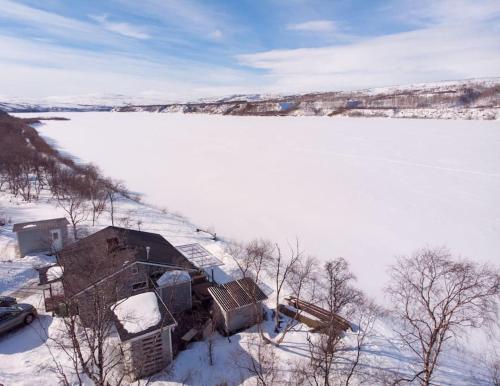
<point x="192" y="16"/>
<point x="50" y="21"/>
<point x="430" y="54"/>
<point x="121" y="28"/>
<point x="450" y="11"/>
<point x="314" y="26"/>
<point x="450" y="44"/>
<point x="53" y="24"/>
<point x="35" y="69"/>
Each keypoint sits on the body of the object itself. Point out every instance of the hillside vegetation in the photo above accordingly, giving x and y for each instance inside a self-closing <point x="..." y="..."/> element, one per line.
<point x="462" y="100"/>
<point x="30" y="165"/>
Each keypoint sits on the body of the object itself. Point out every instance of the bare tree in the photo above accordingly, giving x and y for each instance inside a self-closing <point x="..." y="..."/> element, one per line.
<point x="96" y="191"/>
<point x="113" y="190"/>
<point x="280" y="268"/>
<point x="493" y="363"/>
<point x="436" y="298"/>
<point x="76" y="206"/>
<point x="338" y="292"/>
<point x="252" y="259"/>
<point x="261" y="361"/>
<point x="215" y="321"/>
<point x="323" y="351"/>
<point x="301" y="281"/>
<point x="338" y="295"/>
<point x="365" y="317"/>
<point x="69" y="188"/>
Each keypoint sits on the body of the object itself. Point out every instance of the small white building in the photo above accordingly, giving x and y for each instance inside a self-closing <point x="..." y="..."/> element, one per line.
<point x="41" y="236"/>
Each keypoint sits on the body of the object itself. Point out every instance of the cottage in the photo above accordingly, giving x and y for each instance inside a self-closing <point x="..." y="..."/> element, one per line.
<point x="144" y="326"/>
<point x="127" y="272"/>
<point x="120" y="263"/>
<point x="239" y="303"/>
<point x="42" y="236"/>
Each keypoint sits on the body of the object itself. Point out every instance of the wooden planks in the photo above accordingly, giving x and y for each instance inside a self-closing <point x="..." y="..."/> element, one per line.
<point x="320" y="313"/>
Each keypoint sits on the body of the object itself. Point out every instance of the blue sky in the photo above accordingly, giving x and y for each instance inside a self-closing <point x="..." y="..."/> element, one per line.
<point x="187" y="49"/>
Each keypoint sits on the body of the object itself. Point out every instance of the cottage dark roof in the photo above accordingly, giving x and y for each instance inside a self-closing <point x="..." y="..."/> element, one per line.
<point x="42" y="224"/>
<point x="236" y="294"/>
<point x="166" y="320"/>
<point x="109" y="250"/>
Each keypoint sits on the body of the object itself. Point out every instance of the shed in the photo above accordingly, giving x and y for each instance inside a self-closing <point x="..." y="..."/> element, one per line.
<point x="144" y="326"/>
<point x="42" y="236"/>
<point x="174" y="288"/>
<point x="239" y="302"/>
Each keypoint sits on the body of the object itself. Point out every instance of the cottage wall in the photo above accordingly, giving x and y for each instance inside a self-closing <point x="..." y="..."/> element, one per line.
<point x="241" y="318"/>
<point x="148" y="354"/>
<point x="33" y="241"/>
<point x="38" y="240"/>
<point x="133" y="281"/>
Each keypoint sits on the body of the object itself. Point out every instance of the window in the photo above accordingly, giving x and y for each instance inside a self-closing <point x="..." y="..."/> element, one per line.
<point x="139" y="286"/>
<point x="55" y="235"/>
<point x="113" y="244"/>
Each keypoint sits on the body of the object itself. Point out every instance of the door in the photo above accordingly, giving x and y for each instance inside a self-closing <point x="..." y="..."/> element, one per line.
<point x="9" y="320"/>
<point x="56" y="239"/>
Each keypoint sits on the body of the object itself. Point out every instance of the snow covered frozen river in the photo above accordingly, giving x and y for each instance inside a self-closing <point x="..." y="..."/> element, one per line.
<point x="365" y="189"/>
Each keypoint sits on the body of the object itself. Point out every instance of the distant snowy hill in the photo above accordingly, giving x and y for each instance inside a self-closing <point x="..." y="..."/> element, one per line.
<point x="466" y="99"/>
<point x="89" y="102"/>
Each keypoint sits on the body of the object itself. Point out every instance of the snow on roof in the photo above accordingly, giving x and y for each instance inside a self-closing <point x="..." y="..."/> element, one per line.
<point x="138" y="312"/>
<point x="57" y="288"/>
<point x="173" y="277"/>
<point x="199" y="256"/>
<point x="54" y="273"/>
<point x="42" y="224"/>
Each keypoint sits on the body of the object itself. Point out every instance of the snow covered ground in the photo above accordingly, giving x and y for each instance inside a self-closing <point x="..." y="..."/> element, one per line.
<point x="364" y="189"/>
<point x="25" y="357"/>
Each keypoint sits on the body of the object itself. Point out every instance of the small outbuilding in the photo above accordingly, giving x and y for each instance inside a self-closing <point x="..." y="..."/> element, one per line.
<point x="174" y="288"/>
<point x="41" y="236"/>
<point x="144" y="326"/>
<point x="239" y="303"/>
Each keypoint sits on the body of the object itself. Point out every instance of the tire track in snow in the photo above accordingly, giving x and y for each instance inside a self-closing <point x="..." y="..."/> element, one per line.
<point x="409" y="163"/>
